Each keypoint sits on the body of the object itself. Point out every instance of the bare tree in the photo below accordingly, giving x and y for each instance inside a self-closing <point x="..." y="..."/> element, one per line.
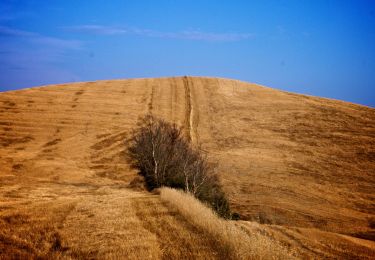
<point x="165" y="158"/>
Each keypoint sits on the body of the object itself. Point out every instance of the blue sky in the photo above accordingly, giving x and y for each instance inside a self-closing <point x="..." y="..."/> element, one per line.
<point x="322" y="48"/>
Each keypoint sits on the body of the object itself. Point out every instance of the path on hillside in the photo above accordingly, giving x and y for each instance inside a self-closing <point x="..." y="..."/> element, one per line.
<point x="283" y="159"/>
<point x="100" y="224"/>
<point x="87" y="221"/>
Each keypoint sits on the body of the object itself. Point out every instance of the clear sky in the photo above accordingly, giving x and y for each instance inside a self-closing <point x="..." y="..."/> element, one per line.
<point x="322" y="48"/>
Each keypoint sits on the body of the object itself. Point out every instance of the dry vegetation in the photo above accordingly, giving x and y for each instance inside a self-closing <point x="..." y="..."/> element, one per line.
<point x="303" y="167"/>
<point x="231" y="241"/>
<point x="164" y="157"/>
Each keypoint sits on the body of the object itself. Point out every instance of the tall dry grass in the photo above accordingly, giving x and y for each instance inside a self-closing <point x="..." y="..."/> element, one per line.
<point x="231" y="241"/>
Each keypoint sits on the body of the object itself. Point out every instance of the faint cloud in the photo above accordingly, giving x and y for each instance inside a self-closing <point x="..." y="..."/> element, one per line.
<point x="185" y="35"/>
<point x="29" y="58"/>
<point x="40" y="39"/>
<point x="12" y="15"/>
<point x="195" y="35"/>
<point x="17" y="68"/>
<point x="280" y="29"/>
<point x="96" y="29"/>
<point x="11" y="10"/>
<point x="7" y="17"/>
<point x="306" y="34"/>
<point x="59" y="43"/>
<point x="7" y="31"/>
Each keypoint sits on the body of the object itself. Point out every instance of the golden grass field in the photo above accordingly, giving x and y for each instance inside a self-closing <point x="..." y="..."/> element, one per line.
<point x="298" y="169"/>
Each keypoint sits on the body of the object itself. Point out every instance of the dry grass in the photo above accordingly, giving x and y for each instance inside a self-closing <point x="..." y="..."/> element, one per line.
<point x="307" y="242"/>
<point x="302" y="163"/>
<point x="231" y="241"/>
<point x="31" y="232"/>
<point x="104" y="223"/>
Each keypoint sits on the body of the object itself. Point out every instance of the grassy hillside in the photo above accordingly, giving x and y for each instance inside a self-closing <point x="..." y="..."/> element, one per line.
<point x="303" y="167"/>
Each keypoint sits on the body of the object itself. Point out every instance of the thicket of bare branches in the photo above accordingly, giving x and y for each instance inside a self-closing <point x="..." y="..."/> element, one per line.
<point x="164" y="157"/>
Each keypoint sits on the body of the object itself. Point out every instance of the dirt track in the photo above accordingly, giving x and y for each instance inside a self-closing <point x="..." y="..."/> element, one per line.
<point x="284" y="159"/>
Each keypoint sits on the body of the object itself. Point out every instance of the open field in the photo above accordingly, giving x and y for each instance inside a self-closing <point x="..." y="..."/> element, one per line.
<point x="298" y="169"/>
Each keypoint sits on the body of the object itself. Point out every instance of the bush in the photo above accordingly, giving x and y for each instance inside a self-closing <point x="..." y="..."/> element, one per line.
<point x="236" y="216"/>
<point x="165" y="158"/>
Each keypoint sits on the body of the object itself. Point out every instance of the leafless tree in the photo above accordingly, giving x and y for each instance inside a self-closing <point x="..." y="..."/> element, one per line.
<point x="165" y="158"/>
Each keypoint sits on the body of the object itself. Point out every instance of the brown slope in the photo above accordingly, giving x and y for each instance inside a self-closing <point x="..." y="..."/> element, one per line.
<point x="64" y="183"/>
<point x="284" y="159"/>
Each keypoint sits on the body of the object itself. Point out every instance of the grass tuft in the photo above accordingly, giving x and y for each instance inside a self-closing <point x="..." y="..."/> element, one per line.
<point x="231" y="241"/>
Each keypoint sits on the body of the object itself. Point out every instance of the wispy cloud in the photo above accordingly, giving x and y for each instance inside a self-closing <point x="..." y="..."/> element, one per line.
<point x="197" y="35"/>
<point x="7" y="31"/>
<point x="40" y="39"/>
<point x="97" y="29"/>
<point x="11" y="15"/>
<point x="39" y="57"/>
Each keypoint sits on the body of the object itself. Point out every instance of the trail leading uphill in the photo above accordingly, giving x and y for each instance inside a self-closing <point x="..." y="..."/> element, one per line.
<point x="288" y="160"/>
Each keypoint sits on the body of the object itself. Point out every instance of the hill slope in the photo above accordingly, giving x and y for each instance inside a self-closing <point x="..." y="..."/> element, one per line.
<point x="304" y="165"/>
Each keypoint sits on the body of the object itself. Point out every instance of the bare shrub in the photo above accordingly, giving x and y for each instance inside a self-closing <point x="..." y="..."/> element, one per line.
<point x="164" y="157"/>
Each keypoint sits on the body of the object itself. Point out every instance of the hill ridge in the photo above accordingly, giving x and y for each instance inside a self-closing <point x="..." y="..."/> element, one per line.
<point x="287" y="160"/>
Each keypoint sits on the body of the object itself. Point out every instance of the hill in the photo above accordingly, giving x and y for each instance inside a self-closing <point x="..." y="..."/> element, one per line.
<point x="300" y="166"/>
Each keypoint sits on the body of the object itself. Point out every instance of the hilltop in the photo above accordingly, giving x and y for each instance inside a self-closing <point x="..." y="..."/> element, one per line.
<point x="298" y="169"/>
